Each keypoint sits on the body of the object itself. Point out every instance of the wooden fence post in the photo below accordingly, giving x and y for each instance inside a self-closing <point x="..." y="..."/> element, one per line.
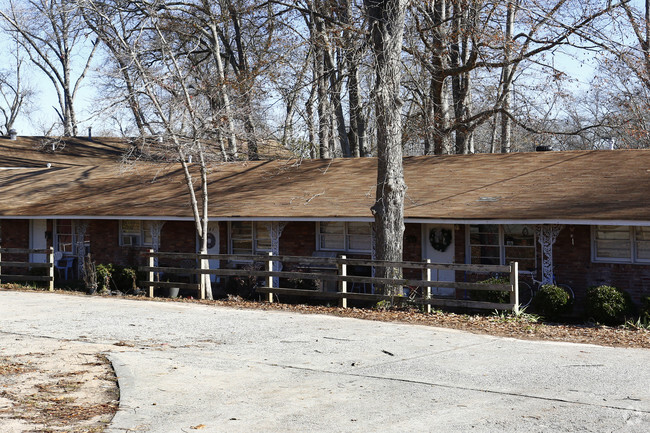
<point x="343" y="303"/>
<point x="514" y="282"/>
<point x="269" y="279"/>
<point x="151" y="273"/>
<point x="50" y="260"/>
<point x="203" y="264"/>
<point x="427" y="293"/>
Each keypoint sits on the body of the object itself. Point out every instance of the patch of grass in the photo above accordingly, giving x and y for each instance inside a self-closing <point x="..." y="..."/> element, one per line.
<point x="638" y="324"/>
<point x="511" y="316"/>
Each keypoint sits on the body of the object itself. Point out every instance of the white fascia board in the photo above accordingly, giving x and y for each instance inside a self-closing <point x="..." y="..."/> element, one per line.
<point x="175" y="218"/>
<point x="534" y="221"/>
<point x="348" y="219"/>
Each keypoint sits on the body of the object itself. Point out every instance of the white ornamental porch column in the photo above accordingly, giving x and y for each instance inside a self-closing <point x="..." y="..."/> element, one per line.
<point x="546" y="236"/>
<point x="81" y="226"/>
<point x="275" y="231"/>
<point x="155" y="228"/>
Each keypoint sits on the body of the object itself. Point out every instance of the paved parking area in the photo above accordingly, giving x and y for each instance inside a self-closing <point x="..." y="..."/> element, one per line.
<point x="221" y="369"/>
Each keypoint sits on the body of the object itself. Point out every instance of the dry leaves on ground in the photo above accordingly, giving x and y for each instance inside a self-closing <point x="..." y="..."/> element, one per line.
<point x="60" y="389"/>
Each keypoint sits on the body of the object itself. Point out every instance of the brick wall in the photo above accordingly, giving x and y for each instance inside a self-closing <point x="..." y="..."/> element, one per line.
<point x="298" y="238"/>
<point x="176" y="236"/>
<point x="14" y="234"/>
<point x="573" y="266"/>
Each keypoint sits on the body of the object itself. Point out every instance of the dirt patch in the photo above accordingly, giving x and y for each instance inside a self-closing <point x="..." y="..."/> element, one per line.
<point x="64" y="387"/>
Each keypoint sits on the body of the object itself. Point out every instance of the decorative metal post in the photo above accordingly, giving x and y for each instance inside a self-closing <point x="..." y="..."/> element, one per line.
<point x="81" y="226"/>
<point x="275" y="229"/>
<point x="546" y="236"/>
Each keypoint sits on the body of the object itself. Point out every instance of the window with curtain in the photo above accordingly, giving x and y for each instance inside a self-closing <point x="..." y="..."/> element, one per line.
<point x="623" y="244"/>
<point x="345" y="236"/>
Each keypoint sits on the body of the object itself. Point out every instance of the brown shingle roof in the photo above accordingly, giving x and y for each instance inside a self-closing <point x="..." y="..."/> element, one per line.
<point x="579" y="185"/>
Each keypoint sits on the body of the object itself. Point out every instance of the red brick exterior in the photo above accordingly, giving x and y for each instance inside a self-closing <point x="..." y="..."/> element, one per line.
<point x="572" y="251"/>
<point x="573" y="266"/>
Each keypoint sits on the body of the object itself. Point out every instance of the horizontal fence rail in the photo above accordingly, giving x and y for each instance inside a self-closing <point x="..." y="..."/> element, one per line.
<point x="331" y="270"/>
<point x="49" y="265"/>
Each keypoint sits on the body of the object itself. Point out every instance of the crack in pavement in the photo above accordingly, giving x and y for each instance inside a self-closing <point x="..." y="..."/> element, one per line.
<point x="455" y="387"/>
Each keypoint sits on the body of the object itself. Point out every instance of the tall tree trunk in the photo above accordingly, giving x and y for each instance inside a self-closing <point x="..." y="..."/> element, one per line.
<point x="506" y="77"/>
<point x="386" y="22"/>
<point x="324" y="118"/>
<point x="309" y="114"/>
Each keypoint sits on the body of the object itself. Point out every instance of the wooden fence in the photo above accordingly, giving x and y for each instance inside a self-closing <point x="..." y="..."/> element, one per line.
<point x="49" y="265"/>
<point x="336" y="271"/>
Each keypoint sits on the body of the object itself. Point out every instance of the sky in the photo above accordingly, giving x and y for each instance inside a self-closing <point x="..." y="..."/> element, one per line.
<point x="579" y="66"/>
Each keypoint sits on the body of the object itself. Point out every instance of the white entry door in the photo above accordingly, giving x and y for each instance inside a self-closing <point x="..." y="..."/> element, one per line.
<point x="37" y="240"/>
<point x="438" y="240"/>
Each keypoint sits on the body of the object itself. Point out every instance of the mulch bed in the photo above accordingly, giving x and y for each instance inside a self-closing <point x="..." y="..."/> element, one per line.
<point x="499" y="325"/>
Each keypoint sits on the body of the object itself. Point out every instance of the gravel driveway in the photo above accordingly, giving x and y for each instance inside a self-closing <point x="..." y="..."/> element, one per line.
<point x="187" y="367"/>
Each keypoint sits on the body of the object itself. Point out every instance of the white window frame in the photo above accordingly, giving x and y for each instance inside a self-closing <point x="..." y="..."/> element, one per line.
<point x="140" y="235"/>
<point x="73" y="237"/>
<point x="73" y="227"/>
<point x="633" y="259"/>
<point x="254" y="238"/>
<point x="346" y="239"/>
<point x="502" y="246"/>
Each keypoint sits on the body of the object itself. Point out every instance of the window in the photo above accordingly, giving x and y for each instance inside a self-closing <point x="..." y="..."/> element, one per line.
<point x="622" y="244"/>
<point x="135" y="233"/>
<point x="342" y="236"/>
<point x="494" y="244"/>
<point x="248" y="237"/>
<point x="66" y="238"/>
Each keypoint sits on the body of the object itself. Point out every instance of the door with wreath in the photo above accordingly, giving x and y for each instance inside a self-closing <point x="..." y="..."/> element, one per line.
<point x="438" y="241"/>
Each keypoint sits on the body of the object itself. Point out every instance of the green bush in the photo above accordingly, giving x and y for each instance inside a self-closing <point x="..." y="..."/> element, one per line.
<point x="607" y="304"/>
<point x="125" y="279"/>
<point x="495" y="296"/>
<point x="551" y="301"/>
<point x="104" y="276"/>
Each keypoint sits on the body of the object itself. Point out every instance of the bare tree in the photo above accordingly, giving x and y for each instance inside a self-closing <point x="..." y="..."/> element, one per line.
<point x="386" y="26"/>
<point x="16" y="96"/>
<point x="167" y="88"/>
<point x="53" y="35"/>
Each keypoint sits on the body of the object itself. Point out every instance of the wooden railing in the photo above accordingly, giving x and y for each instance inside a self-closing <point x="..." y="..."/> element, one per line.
<point x="49" y="265"/>
<point x="337" y="273"/>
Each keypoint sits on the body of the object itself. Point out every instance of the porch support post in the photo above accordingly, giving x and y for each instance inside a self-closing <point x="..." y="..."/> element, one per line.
<point x="155" y="228"/>
<point x="81" y="226"/>
<point x="275" y="229"/>
<point x="546" y="236"/>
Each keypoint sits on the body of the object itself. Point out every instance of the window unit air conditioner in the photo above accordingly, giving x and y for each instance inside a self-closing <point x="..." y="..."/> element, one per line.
<point x="130" y="240"/>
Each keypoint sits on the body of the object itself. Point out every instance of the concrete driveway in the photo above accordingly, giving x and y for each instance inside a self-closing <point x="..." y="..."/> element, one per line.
<point x="226" y="370"/>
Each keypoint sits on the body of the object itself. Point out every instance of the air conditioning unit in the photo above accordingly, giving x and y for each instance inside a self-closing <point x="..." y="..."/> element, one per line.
<point x="130" y="240"/>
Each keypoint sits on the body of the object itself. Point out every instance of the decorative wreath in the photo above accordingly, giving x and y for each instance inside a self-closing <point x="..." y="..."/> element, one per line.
<point x="212" y="241"/>
<point x="440" y="239"/>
